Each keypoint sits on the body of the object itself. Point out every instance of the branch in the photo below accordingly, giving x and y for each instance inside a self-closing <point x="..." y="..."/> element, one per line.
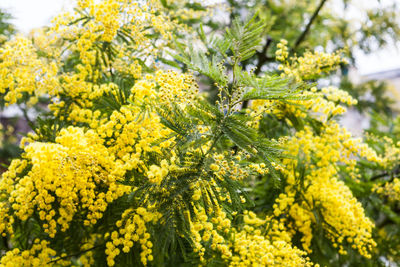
<point x="231" y="14"/>
<point x="378" y="176"/>
<point x="76" y="254"/>
<point x="262" y="56"/>
<point x="396" y="171"/>
<point x="308" y="26"/>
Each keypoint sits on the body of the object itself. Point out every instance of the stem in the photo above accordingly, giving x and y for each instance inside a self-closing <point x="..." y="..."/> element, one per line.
<point x="234" y="86"/>
<point x="201" y="162"/>
<point x="262" y="56"/>
<point x="231" y="14"/>
<point x="76" y="254"/>
<point x="308" y="26"/>
<point x="378" y="176"/>
<point x="213" y="144"/>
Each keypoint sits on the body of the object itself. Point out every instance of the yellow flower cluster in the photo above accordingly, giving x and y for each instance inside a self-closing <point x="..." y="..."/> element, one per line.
<point x="175" y="87"/>
<point x="87" y="259"/>
<point x="310" y="65"/>
<point x="84" y="95"/>
<point x="39" y="255"/>
<point x="156" y="174"/>
<point x="130" y="134"/>
<point x="321" y="106"/>
<point x="23" y="73"/>
<point x="132" y="228"/>
<point x="107" y="14"/>
<point x="391" y="150"/>
<point x="391" y="190"/>
<point x="343" y="217"/>
<point x="390" y="158"/>
<point x="336" y="95"/>
<point x="319" y="188"/>
<point x="16" y="167"/>
<point x="133" y="69"/>
<point x="228" y="165"/>
<point x="95" y="32"/>
<point x="206" y="228"/>
<point x="209" y="185"/>
<point x="251" y="248"/>
<point x="76" y="172"/>
<point x="282" y="52"/>
<point x="247" y="246"/>
<point x="103" y="27"/>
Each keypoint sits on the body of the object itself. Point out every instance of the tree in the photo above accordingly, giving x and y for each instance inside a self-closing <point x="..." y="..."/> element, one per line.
<point x="131" y="164"/>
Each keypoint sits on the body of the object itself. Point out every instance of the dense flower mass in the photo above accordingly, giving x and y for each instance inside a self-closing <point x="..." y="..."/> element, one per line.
<point x="24" y="74"/>
<point x="342" y="215"/>
<point x="134" y="231"/>
<point x="39" y="255"/>
<point x="76" y="173"/>
<point x="130" y="164"/>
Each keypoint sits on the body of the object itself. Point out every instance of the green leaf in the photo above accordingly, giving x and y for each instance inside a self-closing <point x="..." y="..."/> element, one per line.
<point x="197" y="60"/>
<point x="245" y="38"/>
<point x="271" y="87"/>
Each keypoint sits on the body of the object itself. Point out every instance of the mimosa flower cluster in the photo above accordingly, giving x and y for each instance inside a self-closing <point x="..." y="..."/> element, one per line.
<point x="132" y="165"/>
<point x="319" y="188"/>
<point x="76" y="173"/>
<point x="39" y="255"/>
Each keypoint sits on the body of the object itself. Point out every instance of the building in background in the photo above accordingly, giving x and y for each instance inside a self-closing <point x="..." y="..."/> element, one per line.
<point x="392" y="78"/>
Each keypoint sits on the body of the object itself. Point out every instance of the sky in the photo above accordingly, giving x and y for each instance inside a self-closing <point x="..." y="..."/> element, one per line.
<point x="30" y="14"/>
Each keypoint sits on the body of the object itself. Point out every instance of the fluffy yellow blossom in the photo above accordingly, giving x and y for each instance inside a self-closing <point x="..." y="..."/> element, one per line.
<point x="254" y="249"/>
<point x="176" y="88"/>
<point x="282" y="51"/>
<point x="391" y="190"/>
<point x="23" y="74"/>
<point x="156" y="173"/>
<point x="229" y="166"/>
<point x="130" y="135"/>
<point x="39" y="255"/>
<point x="132" y="229"/>
<point x="321" y="188"/>
<point x="310" y="66"/>
<point x="246" y="246"/>
<point x="76" y="171"/>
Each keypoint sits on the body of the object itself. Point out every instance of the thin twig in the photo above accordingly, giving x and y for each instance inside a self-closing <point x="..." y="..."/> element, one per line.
<point x="262" y="56"/>
<point x="76" y="254"/>
<point x="376" y="177"/>
<point x="396" y="171"/>
<point x="308" y="26"/>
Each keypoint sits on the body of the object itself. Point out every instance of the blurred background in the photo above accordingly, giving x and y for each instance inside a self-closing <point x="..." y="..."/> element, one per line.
<point x="27" y="15"/>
